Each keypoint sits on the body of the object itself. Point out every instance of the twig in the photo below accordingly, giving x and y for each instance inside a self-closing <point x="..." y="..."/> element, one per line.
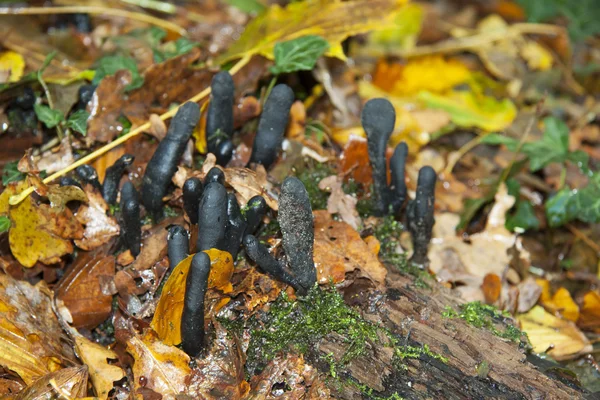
<point x="461" y="152"/>
<point x="584" y="238"/>
<point x="16" y="199"/>
<point x="95" y="10"/>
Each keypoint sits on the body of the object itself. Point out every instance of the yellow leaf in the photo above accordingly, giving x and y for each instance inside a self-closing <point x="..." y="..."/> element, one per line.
<point x="432" y="73"/>
<point x="96" y="358"/>
<point x="409" y="21"/>
<point x="559" y="337"/>
<point x="12" y="66"/>
<point x="71" y="380"/>
<point x="563" y="303"/>
<point x="537" y="57"/>
<point x="333" y="20"/>
<point x="469" y="109"/>
<point x="590" y="312"/>
<point x="164" y="367"/>
<point x="40" y="232"/>
<point x="167" y="318"/>
<point x="200" y="131"/>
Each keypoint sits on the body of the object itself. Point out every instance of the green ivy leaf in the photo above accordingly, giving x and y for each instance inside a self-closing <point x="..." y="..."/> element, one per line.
<point x="47" y="115"/>
<point x="299" y="54"/>
<point x="4" y="224"/>
<point x="584" y="204"/>
<point x="553" y="147"/>
<point x="556" y="208"/>
<point x="78" y="121"/>
<point x="110" y="65"/>
<point x="523" y="219"/>
<point x="11" y="173"/>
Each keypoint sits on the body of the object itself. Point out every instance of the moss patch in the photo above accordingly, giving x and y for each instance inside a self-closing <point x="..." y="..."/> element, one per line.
<point x="485" y="316"/>
<point x="310" y="176"/>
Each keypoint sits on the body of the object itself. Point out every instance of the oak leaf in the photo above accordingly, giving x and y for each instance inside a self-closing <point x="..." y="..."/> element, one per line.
<point x="99" y="227"/>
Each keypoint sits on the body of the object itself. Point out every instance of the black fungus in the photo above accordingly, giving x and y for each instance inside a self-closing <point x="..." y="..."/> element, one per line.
<point x="236" y="226"/>
<point x="398" y="185"/>
<point x="272" y="125"/>
<point x="88" y="174"/>
<point x="378" y="118"/>
<point x="215" y="174"/>
<point x="110" y="186"/>
<point x="212" y="217"/>
<point x="224" y="152"/>
<point x="255" y="211"/>
<point x="261" y="256"/>
<point x="192" y="193"/>
<point x="162" y="166"/>
<point x="25" y="100"/>
<point x="420" y="215"/>
<point x="66" y="181"/>
<point x="130" y="214"/>
<point x="85" y="95"/>
<point x="192" y="318"/>
<point x="178" y="245"/>
<point x="219" y="117"/>
<point x="297" y="227"/>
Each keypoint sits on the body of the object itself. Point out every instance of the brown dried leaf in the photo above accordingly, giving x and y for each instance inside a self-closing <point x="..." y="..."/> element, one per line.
<point x="220" y="375"/>
<point x="99" y="227"/>
<point x="164" y="367"/>
<point x="248" y="183"/>
<point x="339" y="249"/>
<point x="154" y="244"/>
<point x="589" y="319"/>
<point x="491" y="287"/>
<point x="340" y="202"/>
<point x="529" y="293"/>
<point x="68" y="380"/>
<point x="31" y="339"/>
<point x="81" y="288"/>
<point x="57" y="158"/>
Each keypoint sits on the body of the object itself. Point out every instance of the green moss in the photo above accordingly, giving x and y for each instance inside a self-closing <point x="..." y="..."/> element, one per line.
<point x="416" y="352"/>
<point x="485" y="316"/>
<point x="170" y="212"/>
<point x="297" y="325"/>
<point x="310" y="176"/>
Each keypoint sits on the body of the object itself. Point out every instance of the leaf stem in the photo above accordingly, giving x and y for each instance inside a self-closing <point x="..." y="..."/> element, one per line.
<point x="95" y="10"/>
<point x="16" y="199"/>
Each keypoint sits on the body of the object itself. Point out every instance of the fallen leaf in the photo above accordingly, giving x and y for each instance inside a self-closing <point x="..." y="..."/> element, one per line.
<point x="353" y="162"/>
<point x="589" y="318"/>
<point x="339" y="250"/>
<point x="330" y="19"/>
<point x="69" y="380"/>
<point x="57" y="158"/>
<point x="340" y="202"/>
<point x="154" y="244"/>
<point x="32" y="342"/>
<point x="562" y="303"/>
<point x="99" y="227"/>
<point x="12" y="66"/>
<point x="537" y="57"/>
<point x="558" y="337"/>
<point x="491" y="287"/>
<point x="167" y="318"/>
<point x="248" y="183"/>
<point x="220" y="375"/>
<point x="529" y="293"/>
<point x="165" y="368"/>
<point x="80" y="288"/>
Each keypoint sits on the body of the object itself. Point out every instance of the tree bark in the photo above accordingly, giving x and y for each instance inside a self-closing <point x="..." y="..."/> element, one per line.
<point x="414" y="316"/>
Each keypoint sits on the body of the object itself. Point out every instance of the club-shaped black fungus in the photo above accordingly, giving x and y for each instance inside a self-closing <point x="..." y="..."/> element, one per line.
<point x="236" y="226"/>
<point x="85" y="94"/>
<point x="88" y="174"/>
<point x="212" y="217"/>
<point x="192" y="318"/>
<point x="420" y="215"/>
<point x="215" y="174"/>
<point x="219" y="118"/>
<point x="378" y="119"/>
<point x="178" y="245"/>
<point x="255" y="211"/>
<point x="272" y="125"/>
<point x="162" y="166"/>
<point x="66" y="181"/>
<point x="110" y="186"/>
<point x="297" y="227"/>
<point x="224" y="152"/>
<point x="261" y="256"/>
<point x="192" y="193"/>
<point x="130" y="214"/>
<point x="398" y="186"/>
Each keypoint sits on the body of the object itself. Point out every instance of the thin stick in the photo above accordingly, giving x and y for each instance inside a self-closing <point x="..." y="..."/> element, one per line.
<point x="583" y="237"/>
<point x="16" y="199"/>
<point x="95" y="10"/>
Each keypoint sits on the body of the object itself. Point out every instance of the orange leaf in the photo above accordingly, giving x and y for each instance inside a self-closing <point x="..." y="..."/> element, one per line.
<point x="563" y="303"/>
<point x="167" y="318"/>
<point x="491" y="287"/>
<point x="589" y="318"/>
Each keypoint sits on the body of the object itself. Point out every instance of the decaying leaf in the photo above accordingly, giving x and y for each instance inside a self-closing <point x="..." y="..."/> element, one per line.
<point x="339" y="249"/>
<point x="31" y="339"/>
<point x="340" y="202"/>
<point x="560" y="338"/>
<point x="589" y="319"/>
<point x="39" y="232"/>
<point x="220" y="375"/>
<point x="81" y="288"/>
<point x="167" y="318"/>
<point x="333" y="20"/>
<point x="248" y="183"/>
<point x="68" y="381"/>
<point x="99" y="227"/>
<point x="562" y="303"/>
<point x="165" y="368"/>
<point x="12" y="66"/>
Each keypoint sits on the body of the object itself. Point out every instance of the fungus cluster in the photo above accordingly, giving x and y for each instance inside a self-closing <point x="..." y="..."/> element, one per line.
<point x="378" y="120"/>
